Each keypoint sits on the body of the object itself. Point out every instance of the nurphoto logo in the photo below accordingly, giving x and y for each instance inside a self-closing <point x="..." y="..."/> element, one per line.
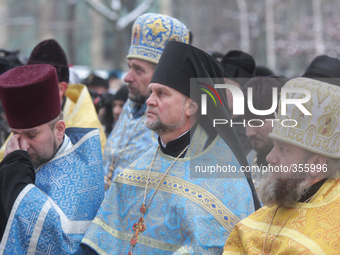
<point x="204" y="97"/>
<point x="238" y="104"/>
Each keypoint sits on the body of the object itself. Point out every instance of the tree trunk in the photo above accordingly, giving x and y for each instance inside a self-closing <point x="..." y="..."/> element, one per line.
<point x="3" y="28"/>
<point x="244" y="25"/>
<point x="97" y="40"/>
<point x="317" y="27"/>
<point x="270" y="35"/>
<point x="122" y="39"/>
<point x="70" y="33"/>
<point x="165" y="7"/>
<point x="46" y="11"/>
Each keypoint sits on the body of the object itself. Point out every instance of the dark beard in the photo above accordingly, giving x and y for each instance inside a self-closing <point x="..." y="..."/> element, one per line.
<point x="41" y="161"/>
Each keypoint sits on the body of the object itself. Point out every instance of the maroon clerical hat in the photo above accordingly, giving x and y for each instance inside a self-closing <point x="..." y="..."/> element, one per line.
<point x="30" y="95"/>
<point x="50" y="52"/>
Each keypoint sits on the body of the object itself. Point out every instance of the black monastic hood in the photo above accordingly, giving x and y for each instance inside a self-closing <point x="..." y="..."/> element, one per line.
<point x="180" y="62"/>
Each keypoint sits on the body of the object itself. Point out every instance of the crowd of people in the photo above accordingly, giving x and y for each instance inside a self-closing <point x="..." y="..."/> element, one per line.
<point x="199" y="153"/>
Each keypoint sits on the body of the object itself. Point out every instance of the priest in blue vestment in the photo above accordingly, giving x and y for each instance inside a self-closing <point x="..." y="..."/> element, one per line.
<point x="51" y="180"/>
<point x="160" y="204"/>
<point x="130" y="139"/>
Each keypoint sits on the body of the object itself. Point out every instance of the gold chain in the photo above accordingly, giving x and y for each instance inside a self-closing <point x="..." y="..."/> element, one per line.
<point x="271" y="222"/>
<point x="166" y="172"/>
<point x="140" y="227"/>
<point x="114" y="160"/>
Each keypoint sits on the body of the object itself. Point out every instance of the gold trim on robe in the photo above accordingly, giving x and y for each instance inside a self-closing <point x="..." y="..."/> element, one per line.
<point x="185" y="189"/>
<point x="141" y="239"/>
<point x="314" y="228"/>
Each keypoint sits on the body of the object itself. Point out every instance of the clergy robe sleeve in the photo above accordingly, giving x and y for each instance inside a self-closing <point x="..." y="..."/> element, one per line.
<point x="234" y="243"/>
<point x="16" y="171"/>
<point x="51" y="215"/>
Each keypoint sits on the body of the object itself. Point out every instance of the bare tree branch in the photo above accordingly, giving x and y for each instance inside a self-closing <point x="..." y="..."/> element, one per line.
<point x="116" y="5"/>
<point x="102" y="9"/>
<point x="131" y="16"/>
<point x="31" y="21"/>
<point x="72" y="2"/>
<point x="17" y="21"/>
<point x="122" y="22"/>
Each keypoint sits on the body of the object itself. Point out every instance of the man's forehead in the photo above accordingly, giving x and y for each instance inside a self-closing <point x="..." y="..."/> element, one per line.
<point x="231" y="82"/>
<point x="288" y="145"/>
<point x="29" y="130"/>
<point x="138" y="62"/>
<point x="159" y="86"/>
<point x="278" y="142"/>
<point x="118" y="102"/>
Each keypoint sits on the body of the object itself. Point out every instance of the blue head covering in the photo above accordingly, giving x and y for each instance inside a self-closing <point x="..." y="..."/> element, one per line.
<point x="151" y="32"/>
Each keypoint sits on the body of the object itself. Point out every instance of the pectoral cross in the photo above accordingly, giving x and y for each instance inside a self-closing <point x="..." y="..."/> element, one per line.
<point x="137" y="227"/>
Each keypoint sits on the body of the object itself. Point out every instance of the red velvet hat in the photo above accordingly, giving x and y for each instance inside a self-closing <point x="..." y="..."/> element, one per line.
<point x="30" y="95"/>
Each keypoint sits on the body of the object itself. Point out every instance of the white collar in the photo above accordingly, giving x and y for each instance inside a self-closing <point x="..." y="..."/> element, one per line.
<point x="164" y="145"/>
<point x="65" y="146"/>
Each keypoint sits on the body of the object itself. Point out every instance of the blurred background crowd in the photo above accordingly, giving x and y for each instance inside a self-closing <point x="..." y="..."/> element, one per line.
<point x="282" y="36"/>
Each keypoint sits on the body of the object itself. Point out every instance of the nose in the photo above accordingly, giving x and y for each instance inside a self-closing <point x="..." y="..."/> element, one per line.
<point x="24" y="145"/>
<point x="250" y="131"/>
<point x="151" y="100"/>
<point x="117" y="110"/>
<point x="128" y="77"/>
<point x="272" y="156"/>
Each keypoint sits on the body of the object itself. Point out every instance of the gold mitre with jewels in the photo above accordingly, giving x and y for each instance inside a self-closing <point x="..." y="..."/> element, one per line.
<point x="151" y="32"/>
<point x="318" y="132"/>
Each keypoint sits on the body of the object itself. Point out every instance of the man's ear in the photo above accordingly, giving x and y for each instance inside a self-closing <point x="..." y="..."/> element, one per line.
<point x="192" y="108"/>
<point x="318" y="161"/>
<point x="62" y="89"/>
<point x="59" y="129"/>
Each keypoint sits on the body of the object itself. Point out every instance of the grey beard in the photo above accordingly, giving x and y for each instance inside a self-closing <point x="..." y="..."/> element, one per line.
<point x="160" y="127"/>
<point x="139" y="99"/>
<point x="282" y="192"/>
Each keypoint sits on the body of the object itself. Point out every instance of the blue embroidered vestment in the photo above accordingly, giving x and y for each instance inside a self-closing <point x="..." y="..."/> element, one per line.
<point x="52" y="216"/>
<point x="186" y="216"/>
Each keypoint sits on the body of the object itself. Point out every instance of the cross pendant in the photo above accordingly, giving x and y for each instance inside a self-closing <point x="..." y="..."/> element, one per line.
<point x="137" y="227"/>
